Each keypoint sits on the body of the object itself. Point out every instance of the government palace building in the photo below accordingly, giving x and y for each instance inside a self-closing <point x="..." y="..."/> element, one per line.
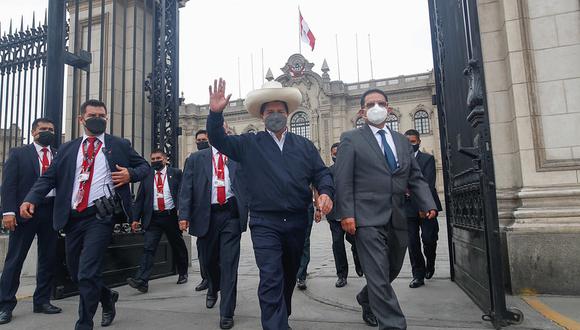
<point x="329" y="108"/>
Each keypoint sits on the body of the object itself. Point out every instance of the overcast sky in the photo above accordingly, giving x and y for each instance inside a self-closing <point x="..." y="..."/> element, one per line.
<point x="215" y="33"/>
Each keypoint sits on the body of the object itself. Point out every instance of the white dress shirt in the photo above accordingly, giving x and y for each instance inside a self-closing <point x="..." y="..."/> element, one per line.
<point x="389" y="138"/>
<point x="214" y="165"/>
<point x="101" y="174"/>
<point x="280" y="142"/>
<point x="50" y="156"/>
<point x="169" y="205"/>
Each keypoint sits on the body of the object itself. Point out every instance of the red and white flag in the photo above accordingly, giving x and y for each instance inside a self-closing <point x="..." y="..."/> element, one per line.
<point x="305" y="33"/>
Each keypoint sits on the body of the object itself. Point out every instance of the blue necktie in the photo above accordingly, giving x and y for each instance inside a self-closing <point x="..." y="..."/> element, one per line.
<point x="389" y="155"/>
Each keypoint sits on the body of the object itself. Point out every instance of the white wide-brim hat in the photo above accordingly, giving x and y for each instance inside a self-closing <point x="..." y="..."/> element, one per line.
<point x="272" y="91"/>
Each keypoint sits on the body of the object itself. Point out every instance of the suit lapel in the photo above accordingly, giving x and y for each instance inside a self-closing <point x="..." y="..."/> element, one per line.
<point x="170" y="179"/>
<point x="34" y="158"/>
<point x="367" y="133"/>
<point x="208" y="163"/>
<point x="400" y="152"/>
<point x="232" y="170"/>
<point x="107" y="150"/>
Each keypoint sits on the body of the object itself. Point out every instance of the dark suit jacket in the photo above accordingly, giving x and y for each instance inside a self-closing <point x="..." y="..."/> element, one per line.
<point x="143" y="207"/>
<point x="427" y="164"/>
<point x="20" y="171"/>
<point x="195" y="195"/>
<point x="368" y="190"/>
<point x="332" y="216"/>
<point x="61" y="175"/>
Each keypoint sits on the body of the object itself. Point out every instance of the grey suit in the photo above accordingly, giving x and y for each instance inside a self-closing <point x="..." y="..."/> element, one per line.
<point x="367" y="190"/>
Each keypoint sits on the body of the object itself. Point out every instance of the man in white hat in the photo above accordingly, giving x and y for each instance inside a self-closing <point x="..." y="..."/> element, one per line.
<point x="279" y="167"/>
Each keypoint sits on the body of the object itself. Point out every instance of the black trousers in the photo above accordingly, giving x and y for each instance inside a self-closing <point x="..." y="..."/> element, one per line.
<point x="160" y="225"/>
<point x="220" y="255"/>
<point x="278" y="246"/>
<point x="86" y="242"/>
<point x="429" y="229"/>
<point x="18" y="246"/>
<point x="202" y="270"/>
<point x="305" y="259"/>
<point x="339" y="249"/>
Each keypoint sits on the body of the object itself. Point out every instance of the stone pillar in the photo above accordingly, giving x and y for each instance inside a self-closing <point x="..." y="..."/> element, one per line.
<point x="120" y="95"/>
<point x="531" y="51"/>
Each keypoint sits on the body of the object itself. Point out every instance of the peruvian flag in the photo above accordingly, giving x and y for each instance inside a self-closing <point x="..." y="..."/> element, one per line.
<point x="305" y="33"/>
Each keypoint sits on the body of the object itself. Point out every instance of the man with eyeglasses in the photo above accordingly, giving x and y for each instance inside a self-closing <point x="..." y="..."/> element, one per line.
<point x="374" y="168"/>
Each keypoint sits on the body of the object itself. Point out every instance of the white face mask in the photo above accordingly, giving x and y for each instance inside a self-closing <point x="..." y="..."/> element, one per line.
<point x="377" y="114"/>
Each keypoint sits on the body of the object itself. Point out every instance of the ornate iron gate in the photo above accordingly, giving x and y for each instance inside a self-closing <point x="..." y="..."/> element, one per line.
<point x="123" y="52"/>
<point x="467" y="158"/>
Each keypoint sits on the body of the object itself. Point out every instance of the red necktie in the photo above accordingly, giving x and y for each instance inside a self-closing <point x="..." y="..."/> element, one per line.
<point x="45" y="161"/>
<point x="87" y="167"/>
<point x="160" y="200"/>
<point x="221" y="190"/>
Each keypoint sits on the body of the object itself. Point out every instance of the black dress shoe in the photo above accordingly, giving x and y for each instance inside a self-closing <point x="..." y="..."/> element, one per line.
<point x="202" y="285"/>
<point x="367" y="314"/>
<point x="138" y="284"/>
<point x="301" y="285"/>
<point x="226" y="322"/>
<point x="341" y="282"/>
<point x="5" y="317"/>
<point x="416" y="282"/>
<point x="429" y="274"/>
<point x="109" y="312"/>
<point x="47" y="308"/>
<point x="210" y="301"/>
<point x="182" y="279"/>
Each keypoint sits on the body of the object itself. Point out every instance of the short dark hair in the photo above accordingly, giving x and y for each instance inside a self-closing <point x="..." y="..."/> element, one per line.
<point x="263" y="107"/>
<point x="335" y="145"/>
<point x="413" y="132"/>
<point x="41" y="120"/>
<point x="158" y="151"/>
<point x="372" y="91"/>
<point x="201" y="131"/>
<point x="92" y="103"/>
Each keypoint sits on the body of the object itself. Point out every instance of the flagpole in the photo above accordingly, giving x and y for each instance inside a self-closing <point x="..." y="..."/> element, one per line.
<point x="371" y="57"/>
<point x="252" y="67"/>
<point x="239" y="80"/>
<point x="299" y="31"/>
<point x="337" y="58"/>
<point x="263" y="66"/>
<point x="357" y="66"/>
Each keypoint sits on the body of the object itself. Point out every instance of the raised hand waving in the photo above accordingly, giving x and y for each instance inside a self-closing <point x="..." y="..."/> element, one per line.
<point x="217" y="99"/>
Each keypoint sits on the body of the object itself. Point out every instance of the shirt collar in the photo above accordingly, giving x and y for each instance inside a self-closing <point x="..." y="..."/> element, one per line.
<point x="99" y="137"/>
<point x="163" y="171"/>
<point x="273" y="135"/>
<point x="214" y="151"/>
<point x="375" y="130"/>
<point x="39" y="147"/>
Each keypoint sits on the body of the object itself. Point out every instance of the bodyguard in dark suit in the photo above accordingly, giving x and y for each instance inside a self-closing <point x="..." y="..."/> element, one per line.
<point x="281" y="167"/>
<point x="23" y="166"/>
<point x="422" y="266"/>
<point x="212" y="206"/>
<point x="338" y="237"/>
<point x="202" y="142"/>
<point x="156" y="206"/>
<point x="374" y="167"/>
<point x="91" y="176"/>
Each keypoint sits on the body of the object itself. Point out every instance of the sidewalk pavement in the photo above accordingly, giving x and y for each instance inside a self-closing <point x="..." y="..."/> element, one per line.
<point x="440" y="304"/>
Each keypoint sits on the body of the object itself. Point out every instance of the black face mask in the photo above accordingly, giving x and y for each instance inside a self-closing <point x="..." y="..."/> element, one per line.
<point x="202" y="145"/>
<point x="157" y="165"/>
<point x="416" y="147"/>
<point x="45" y="138"/>
<point x="96" y="125"/>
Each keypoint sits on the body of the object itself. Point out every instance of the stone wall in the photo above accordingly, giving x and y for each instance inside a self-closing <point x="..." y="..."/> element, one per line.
<point x="531" y="54"/>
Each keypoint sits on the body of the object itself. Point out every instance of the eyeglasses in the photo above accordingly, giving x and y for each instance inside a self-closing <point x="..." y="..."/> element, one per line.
<point x="381" y="104"/>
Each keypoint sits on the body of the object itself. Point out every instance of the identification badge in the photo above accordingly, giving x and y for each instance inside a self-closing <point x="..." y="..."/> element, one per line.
<point x="160" y="195"/>
<point x="83" y="177"/>
<point x="219" y="183"/>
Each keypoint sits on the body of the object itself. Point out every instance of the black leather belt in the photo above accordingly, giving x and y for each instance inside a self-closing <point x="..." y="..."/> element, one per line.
<point x="164" y="213"/>
<point x="88" y="212"/>
<point x="229" y="205"/>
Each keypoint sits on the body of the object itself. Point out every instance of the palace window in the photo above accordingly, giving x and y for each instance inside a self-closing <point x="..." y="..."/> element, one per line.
<point x="300" y="124"/>
<point x="422" y="123"/>
<point x="393" y="122"/>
